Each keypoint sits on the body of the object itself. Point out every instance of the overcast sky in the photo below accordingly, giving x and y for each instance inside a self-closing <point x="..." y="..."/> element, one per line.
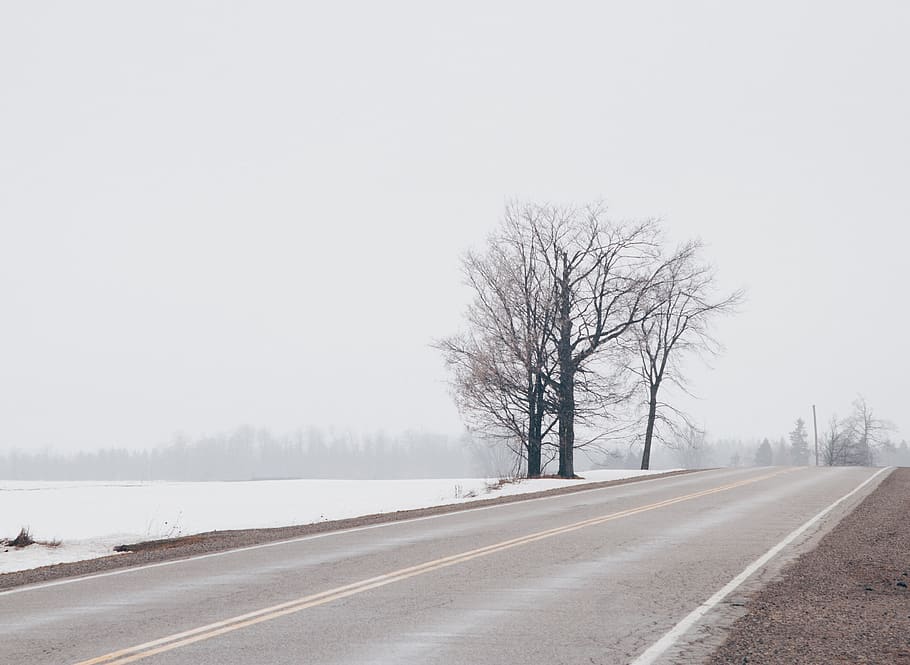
<point x="219" y="213"/>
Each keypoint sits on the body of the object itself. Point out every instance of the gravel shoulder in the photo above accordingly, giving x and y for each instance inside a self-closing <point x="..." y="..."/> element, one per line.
<point x="155" y="551"/>
<point x="845" y="601"/>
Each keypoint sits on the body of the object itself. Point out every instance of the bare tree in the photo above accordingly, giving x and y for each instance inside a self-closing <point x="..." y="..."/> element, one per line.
<point x="690" y="446"/>
<point x="857" y="439"/>
<point x="866" y="433"/>
<point x="684" y="304"/>
<point x="835" y="444"/>
<point x="502" y="368"/>
<point x="556" y="291"/>
<point x="601" y="273"/>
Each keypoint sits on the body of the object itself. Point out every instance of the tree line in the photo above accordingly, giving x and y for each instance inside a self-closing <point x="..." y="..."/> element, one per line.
<point x="248" y="453"/>
<point x="573" y="315"/>
<point x="859" y="439"/>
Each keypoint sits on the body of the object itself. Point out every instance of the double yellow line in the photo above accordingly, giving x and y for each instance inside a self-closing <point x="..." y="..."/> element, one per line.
<point x="211" y="630"/>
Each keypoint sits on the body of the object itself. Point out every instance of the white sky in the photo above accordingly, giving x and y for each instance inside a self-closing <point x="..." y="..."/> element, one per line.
<point x="224" y="213"/>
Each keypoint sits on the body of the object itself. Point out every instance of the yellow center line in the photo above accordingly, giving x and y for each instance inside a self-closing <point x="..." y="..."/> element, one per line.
<point x="211" y="630"/>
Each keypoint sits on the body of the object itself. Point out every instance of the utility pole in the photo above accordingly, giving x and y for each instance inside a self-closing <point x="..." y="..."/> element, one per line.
<point x="815" y="433"/>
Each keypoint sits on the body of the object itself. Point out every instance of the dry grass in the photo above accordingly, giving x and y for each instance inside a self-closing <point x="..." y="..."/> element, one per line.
<point x="24" y="539"/>
<point x="499" y="483"/>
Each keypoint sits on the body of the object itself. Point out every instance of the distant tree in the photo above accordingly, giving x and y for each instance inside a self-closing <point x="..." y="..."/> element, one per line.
<point x="764" y="454"/>
<point x="836" y="444"/>
<point x="866" y="434"/>
<point x="690" y="446"/>
<point x="856" y="440"/>
<point x="247" y="454"/>
<point x="491" y="459"/>
<point x="781" y="453"/>
<point x="899" y="455"/>
<point x="731" y="451"/>
<point x="685" y="301"/>
<point x="799" y="444"/>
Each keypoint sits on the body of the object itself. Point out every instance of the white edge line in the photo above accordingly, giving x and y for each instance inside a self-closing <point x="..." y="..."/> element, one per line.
<point x="656" y="650"/>
<point x="326" y="534"/>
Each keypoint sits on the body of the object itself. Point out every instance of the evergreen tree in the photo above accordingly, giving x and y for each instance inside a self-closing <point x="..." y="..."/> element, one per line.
<point x="764" y="454"/>
<point x="799" y="444"/>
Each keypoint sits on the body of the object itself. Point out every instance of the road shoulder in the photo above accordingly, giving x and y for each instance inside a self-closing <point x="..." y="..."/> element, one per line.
<point x="844" y="601"/>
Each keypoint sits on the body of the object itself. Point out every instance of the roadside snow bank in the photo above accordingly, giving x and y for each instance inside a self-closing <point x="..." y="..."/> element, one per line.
<point x="90" y="518"/>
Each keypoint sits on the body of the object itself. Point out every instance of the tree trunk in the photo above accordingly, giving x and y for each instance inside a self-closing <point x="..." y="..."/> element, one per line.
<point x="566" y="393"/>
<point x="567" y="423"/>
<point x="649" y="430"/>
<point x="534" y="445"/>
<point x="535" y="428"/>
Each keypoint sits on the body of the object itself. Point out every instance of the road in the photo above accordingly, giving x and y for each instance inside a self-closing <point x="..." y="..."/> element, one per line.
<point x="593" y="577"/>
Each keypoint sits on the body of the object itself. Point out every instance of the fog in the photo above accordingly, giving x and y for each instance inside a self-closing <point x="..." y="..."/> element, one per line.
<point x="213" y="215"/>
<point x="246" y="453"/>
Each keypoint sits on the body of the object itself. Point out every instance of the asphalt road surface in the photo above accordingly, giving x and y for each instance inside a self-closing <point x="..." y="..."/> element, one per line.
<point x="634" y="573"/>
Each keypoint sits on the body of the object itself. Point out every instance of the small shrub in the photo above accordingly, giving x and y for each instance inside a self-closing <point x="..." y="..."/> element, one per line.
<point x="24" y="539"/>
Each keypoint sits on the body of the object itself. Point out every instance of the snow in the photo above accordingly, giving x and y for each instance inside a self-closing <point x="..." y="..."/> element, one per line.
<point x="90" y="518"/>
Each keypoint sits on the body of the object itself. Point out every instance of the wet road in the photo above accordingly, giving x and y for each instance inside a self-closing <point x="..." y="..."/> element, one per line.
<point x="593" y="577"/>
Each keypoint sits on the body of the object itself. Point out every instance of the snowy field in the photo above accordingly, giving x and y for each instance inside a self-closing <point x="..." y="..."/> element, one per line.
<point x="90" y="518"/>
